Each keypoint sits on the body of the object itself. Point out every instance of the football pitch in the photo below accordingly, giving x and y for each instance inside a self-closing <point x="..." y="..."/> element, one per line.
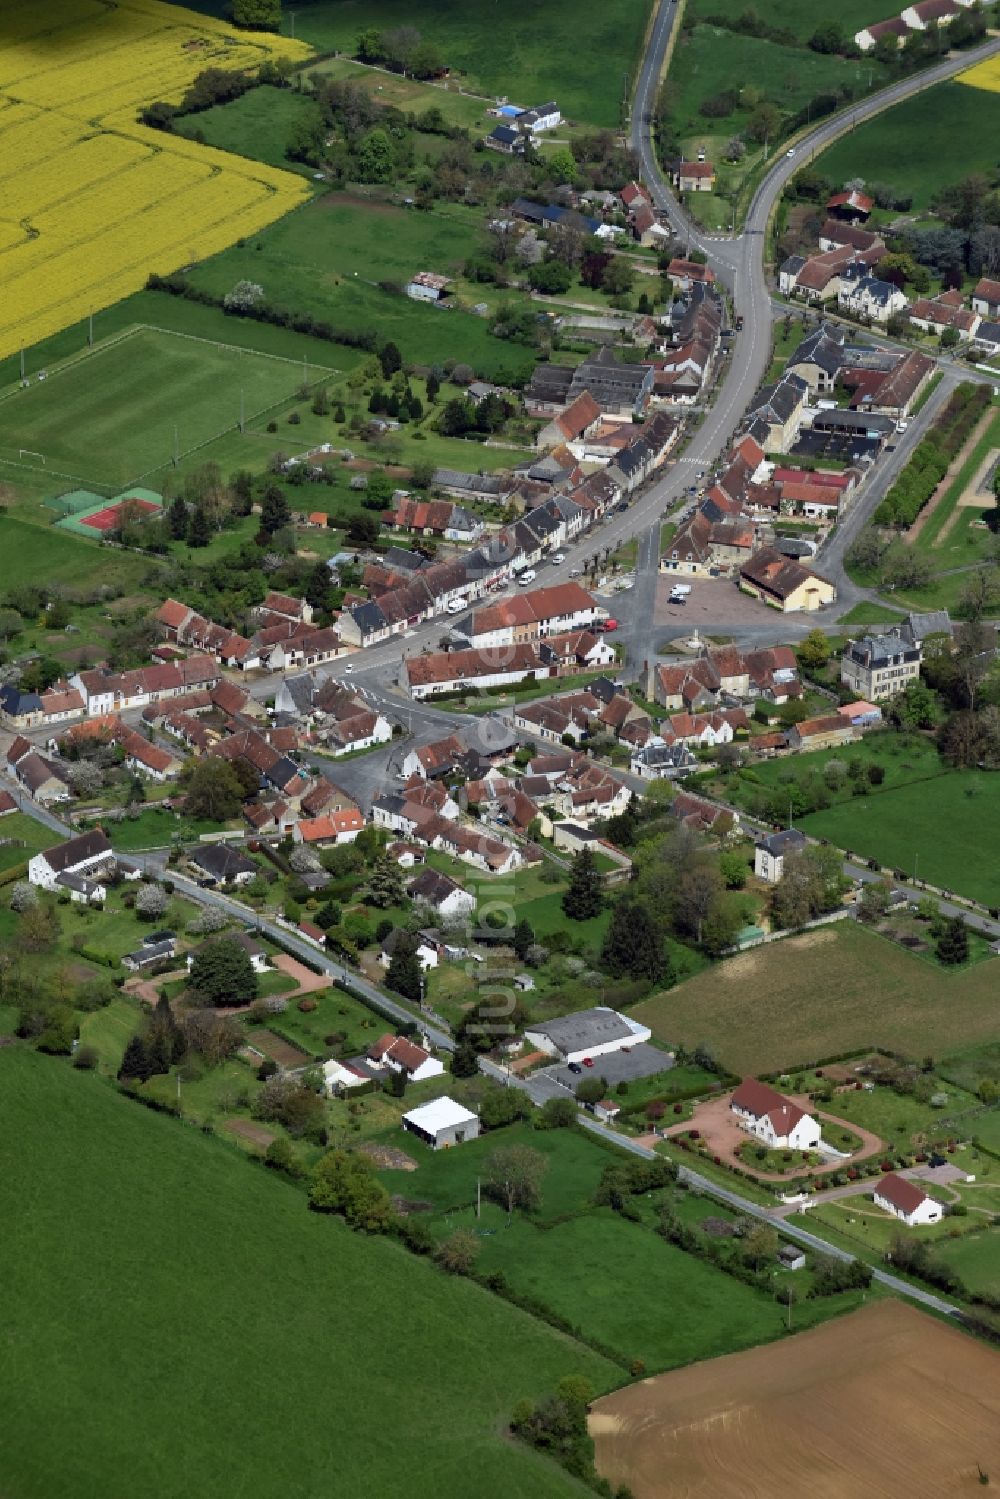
<point x="129" y="407"/>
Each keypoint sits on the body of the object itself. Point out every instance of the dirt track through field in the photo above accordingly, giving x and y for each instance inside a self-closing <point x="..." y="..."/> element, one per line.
<point x="887" y="1402"/>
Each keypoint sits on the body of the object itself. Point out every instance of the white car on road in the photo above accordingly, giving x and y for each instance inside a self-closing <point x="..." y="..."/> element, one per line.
<point x="527" y="577"/>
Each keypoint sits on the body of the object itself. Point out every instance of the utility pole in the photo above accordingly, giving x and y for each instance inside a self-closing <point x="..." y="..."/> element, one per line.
<point x="242" y="412"/>
<point x="916" y="856"/>
<point x="22" y="366"/>
<point x="177" y="454"/>
<point x="90" y="328"/>
<point x="479" y="1196"/>
<point x="291" y="18"/>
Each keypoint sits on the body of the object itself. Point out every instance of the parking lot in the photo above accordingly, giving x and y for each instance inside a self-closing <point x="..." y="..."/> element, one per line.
<point x="639" y="1061"/>
<point x="712" y="601"/>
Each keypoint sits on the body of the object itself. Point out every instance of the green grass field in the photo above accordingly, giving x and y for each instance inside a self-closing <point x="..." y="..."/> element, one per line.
<point x="938" y="824"/>
<point x="156" y="1270"/>
<point x="40" y="552"/>
<point x="821" y="994"/>
<point x="113" y="416"/>
<point x="25" y="834"/>
<point x="328" y="259"/>
<point x="708" y="61"/>
<point x="793" y="15"/>
<point x="258" y="124"/>
<point x="545" y="54"/>
<point x="912" y="146"/>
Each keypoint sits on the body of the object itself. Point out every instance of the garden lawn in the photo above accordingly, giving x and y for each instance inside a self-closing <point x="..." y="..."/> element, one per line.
<point x="109" y="1030"/>
<point x="27" y="837"/>
<point x="335" y="1012"/>
<point x="898" y="1117"/>
<point x="911" y="147"/>
<point x="447" y="1178"/>
<point x="905" y="759"/>
<point x="975" y="1257"/>
<point x="129" y="1320"/>
<point x="822" y="994"/>
<point x="938" y="824"/>
<point x="156" y="828"/>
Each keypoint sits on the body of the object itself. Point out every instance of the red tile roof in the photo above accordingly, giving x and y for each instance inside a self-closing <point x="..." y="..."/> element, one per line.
<point x="903" y="1194"/>
<point x="764" y="1102"/>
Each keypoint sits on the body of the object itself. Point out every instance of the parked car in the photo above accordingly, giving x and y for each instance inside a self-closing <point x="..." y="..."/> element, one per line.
<point x="588" y="1061"/>
<point x="576" y="572"/>
<point x="574" y="1066"/>
<point x="610" y="624"/>
<point x="557" y="557"/>
<point x="527" y="577"/>
<point x="455" y="606"/>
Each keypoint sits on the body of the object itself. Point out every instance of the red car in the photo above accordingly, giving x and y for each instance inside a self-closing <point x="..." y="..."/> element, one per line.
<point x="588" y="1061"/>
<point x="610" y="624"/>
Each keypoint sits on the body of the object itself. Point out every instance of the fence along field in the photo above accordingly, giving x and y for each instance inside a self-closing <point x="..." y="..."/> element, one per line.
<point x="91" y="201"/>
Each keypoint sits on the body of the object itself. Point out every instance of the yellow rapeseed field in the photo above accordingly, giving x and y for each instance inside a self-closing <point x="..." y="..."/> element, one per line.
<point x="984" y="75"/>
<point x="91" y="201"/>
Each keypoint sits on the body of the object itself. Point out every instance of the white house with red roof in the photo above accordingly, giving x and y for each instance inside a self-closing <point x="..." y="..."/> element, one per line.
<point x="772" y="1118"/>
<point x="398" y="1054"/>
<point x="906" y="1201"/>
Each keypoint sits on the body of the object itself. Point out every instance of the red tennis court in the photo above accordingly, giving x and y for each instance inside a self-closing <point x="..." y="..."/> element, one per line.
<point x="108" y="518"/>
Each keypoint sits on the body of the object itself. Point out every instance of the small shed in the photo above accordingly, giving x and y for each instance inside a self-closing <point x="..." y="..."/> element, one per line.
<point x="791" y="1257"/>
<point x="442" y="1123"/>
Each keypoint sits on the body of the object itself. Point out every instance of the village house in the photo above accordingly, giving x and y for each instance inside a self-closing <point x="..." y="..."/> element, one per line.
<point x="158" y="947"/>
<point x="531" y="616"/>
<point x="439" y="672"/>
<point x="906" y="1201"/>
<point x="43" y="779"/>
<point x="828" y="731"/>
<point x="877" y="666"/>
<point x="871" y="300"/>
<point x="221" y="864"/>
<point x="253" y="949"/>
<point x="986" y="298"/>
<point x="74" y="866"/>
<point x="695" y="177"/>
<point x="785" y="584"/>
<point x="399" y="1054"/>
<point x="448" y="899"/>
<point x="936" y="314"/>
<point x="329" y="828"/>
<point x="773" y="1119"/>
<point x="777" y="412"/>
<point x="770" y="853"/>
<point x="870" y="36"/>
<point x="428" y="955"/>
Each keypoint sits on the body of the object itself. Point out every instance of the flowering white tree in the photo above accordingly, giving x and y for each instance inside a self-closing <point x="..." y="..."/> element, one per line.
<point x="23" y="897"/>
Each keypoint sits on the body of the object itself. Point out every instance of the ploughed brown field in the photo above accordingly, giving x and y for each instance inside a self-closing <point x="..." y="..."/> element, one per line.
<point x="885" y="1402"/>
